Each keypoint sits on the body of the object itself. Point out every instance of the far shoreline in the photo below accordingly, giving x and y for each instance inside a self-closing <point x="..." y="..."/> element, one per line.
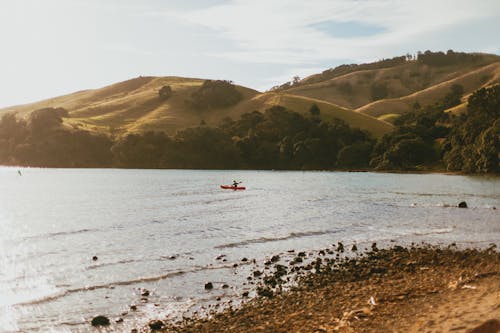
<point x="409" y="172"/>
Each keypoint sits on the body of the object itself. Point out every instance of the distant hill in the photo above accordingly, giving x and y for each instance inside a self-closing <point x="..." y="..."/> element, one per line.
<point x="439" y="111"/>
<point x="132" y="105"/>
<point x="470" y="81"/>
<point x="366" y="96"/>
<point x="135" y="106"/>
<point x="390" y="87"/>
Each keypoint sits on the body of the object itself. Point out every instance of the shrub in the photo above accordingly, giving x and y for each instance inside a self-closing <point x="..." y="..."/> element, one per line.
<point x="378" y="91"/>
<point x="214" y="94"/>
<point x="165" y="93"/>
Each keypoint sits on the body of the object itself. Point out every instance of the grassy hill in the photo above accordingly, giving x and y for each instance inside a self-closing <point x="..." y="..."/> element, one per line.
<point x="393" y="86"/>
<point x="134" y="106"/>
<point x="470" y="81"/>
<point x="366" y="96"/>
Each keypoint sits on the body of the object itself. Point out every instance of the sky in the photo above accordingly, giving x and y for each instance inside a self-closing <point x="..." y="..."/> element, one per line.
<point x="54" y="47"/>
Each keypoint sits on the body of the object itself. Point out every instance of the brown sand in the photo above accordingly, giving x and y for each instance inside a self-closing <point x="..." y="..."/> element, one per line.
<point x="424" y="289"/>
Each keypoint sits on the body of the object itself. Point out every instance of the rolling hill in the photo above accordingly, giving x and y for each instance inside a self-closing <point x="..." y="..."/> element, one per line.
<point x="89" y="128"/>
<point x="390" y="87"/>
<point x="470" y="81"/>
<point x="128" y="106"/>
<point x="134" y="106"/>
<point x="367" y="96"/>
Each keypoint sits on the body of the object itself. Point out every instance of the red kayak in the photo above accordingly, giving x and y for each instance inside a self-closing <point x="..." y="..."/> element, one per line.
<point x="229" y="187"/>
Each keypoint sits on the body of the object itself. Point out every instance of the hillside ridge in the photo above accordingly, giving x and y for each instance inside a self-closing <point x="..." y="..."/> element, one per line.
<point x="366" y="96"/>
<point x="470" y="81"/>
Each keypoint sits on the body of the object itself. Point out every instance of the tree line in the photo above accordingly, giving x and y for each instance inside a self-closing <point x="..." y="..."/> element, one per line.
<point x="431" y="138"/>
<point x="426" y="138"/>
<point x="433" y="59"/>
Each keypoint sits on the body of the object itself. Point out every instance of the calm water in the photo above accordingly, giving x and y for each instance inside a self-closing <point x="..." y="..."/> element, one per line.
<point x="54" y="220"/>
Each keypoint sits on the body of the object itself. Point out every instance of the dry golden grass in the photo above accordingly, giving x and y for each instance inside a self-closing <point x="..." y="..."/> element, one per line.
<point x="134" y="106"/>
<point x="407" y="80"/>
<point x="471" y="81"/>
<point x="329" y="111"/>
<point x="302" y="105"/>
<point x="461" y="108"/>
<point x="390" y="117"/>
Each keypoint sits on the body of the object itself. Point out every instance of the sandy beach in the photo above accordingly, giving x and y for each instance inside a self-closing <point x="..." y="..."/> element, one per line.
<point x="415" y="289"/>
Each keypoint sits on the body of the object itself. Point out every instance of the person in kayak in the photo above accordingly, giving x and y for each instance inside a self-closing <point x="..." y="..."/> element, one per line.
<point x="235" y="183"/>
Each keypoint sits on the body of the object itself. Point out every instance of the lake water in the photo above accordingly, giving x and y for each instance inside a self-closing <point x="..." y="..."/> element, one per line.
<point x="163" y="229"/>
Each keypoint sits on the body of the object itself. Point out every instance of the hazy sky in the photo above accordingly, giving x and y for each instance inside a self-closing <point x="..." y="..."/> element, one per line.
<point x="53" y="47"/>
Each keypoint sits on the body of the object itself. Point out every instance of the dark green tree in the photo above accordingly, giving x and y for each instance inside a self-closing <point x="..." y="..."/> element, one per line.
<point x="214" y="94"/>
<point x="378" y="91"/>
<point x="453" y="97"/>
<point x="473" y="143"/>
<point x="314" y="110"/>
<point x="165" y="93"/>
<point x="356" y="155"/>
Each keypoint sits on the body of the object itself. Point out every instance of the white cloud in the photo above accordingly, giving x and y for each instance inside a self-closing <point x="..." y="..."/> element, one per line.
<point x="277" y="31"/>
<point x="54" y="47"/>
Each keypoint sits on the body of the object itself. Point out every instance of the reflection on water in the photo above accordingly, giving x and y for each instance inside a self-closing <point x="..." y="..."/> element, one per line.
<point x="163" y="230"/>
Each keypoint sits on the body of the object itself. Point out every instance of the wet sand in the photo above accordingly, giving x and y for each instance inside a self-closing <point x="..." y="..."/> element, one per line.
<point x="414" y="289"/>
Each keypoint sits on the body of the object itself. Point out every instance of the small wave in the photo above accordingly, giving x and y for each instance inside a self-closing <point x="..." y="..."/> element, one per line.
<point x="433" y="231"/>
<point x="417" y="194"/>
<point x="64" y="293"/>
<point x="96" y="287"/>
<point x="60" y="233"/>
<point x="120" y="262"/>
<point x="207" y="202"/>
<point x="276" y="239"/>
<point x="447" y="205"/>
<point x="452" y="195"/>
<point x="74" y="323"/>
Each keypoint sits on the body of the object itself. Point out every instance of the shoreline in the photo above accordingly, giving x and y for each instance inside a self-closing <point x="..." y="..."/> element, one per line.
<point x="409" y="172"/>
<point x="411" y="289"/>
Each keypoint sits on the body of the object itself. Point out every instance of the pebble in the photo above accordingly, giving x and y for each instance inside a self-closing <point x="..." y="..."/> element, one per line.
<point x="156" y="325"/>
<point x="100" y="321"/>
<point x="340" y="247"/>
